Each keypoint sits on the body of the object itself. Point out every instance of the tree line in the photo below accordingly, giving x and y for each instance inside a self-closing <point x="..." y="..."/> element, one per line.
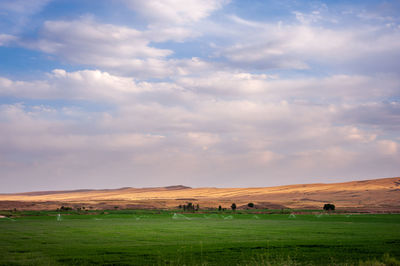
<point x="192" y="208"/>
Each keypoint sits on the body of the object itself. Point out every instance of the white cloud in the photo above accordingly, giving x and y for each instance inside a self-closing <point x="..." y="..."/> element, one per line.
<point x="85" y="41"/>
<point x="17" y="13"/>
<point x="333" y="89"/>
<point x="176" y="130"/>
<point x="80" y="85"/>
<point x="23" y="6"/>
<point x="6" y="39"/>
<point x="204" y="140"/>
<point x="231" y="140"/>
<point x="248" y="46"/>
<point x="38" y="129"/>
<point x="384" y="115"/>
<point x="175" y="11"/>
<point x="115" y="48"/>
<point x="226" y="83"/>
<point x="388" y="147"/>
<point x="258" y="45"/>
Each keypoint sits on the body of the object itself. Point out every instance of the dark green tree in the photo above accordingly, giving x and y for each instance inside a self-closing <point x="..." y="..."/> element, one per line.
<point x="250" y="205"/>
<point x="233" y="206"/>
<point x="329" y="207"/>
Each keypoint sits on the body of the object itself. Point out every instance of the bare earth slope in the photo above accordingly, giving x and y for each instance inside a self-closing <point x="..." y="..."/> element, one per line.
<point x="372" y="195"/>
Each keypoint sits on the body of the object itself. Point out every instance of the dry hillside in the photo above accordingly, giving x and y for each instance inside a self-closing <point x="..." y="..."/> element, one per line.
<point x="369" y="195"/>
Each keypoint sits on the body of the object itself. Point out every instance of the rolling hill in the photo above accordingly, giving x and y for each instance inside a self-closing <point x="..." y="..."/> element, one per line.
<point x="378" y="195"/>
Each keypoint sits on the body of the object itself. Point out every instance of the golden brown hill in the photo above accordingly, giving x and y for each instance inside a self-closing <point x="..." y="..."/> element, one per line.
<point x="373" y="195"/>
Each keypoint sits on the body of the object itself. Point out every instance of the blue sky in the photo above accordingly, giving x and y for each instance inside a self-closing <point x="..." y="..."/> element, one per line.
<point x="105" y="94"/>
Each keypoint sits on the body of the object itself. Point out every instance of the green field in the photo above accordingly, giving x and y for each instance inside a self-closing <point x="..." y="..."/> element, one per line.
<point x="165" y="238"/>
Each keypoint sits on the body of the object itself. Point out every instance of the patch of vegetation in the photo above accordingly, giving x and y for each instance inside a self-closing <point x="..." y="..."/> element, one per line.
<point x="386" y="260"/>
<point x="329" y="207"/>
<point x="155" y="237"/>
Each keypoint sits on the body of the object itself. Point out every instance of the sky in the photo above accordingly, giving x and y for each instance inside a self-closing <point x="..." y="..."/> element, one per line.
<point x="221" y="93"/>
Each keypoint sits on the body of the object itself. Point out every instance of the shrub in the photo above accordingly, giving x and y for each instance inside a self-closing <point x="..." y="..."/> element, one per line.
<point x="329" y="207"/>
<point x="233" y="206"/>
<point x="250" y="205"/>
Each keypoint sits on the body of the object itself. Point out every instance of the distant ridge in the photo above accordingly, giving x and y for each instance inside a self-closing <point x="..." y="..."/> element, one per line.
<point x="38" y="193"/>
<point x="177" y="187"/>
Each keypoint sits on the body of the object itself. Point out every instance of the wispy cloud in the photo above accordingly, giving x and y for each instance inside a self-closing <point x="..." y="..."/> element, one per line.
<point x="17" y="13"/>
<point x="175" y="11"/>
<point x="299" y="45"/>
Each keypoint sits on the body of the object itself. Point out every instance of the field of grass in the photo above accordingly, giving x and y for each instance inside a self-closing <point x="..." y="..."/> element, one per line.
<point x="173" y="238"/>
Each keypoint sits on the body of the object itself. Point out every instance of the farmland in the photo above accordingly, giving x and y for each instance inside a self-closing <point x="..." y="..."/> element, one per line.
<point x="156" y="237"/>
<point x="377" y="195"/>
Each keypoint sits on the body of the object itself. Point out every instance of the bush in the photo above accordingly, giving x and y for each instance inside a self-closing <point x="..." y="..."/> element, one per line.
<point x="233" y="206"/>
<point x="250" y="205"/>
<point x="329" y="207"/>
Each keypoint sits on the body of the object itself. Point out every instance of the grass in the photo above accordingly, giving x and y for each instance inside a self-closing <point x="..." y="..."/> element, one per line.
<point x="121" y="237"/>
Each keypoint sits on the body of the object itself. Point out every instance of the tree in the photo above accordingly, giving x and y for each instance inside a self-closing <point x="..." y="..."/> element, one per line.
<point x="233" y="206"/>
<point x="220" y="208"/>
<point x="250" y="205"/>
<point x="190" y="207"/>
<point x="329" y="207"/>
